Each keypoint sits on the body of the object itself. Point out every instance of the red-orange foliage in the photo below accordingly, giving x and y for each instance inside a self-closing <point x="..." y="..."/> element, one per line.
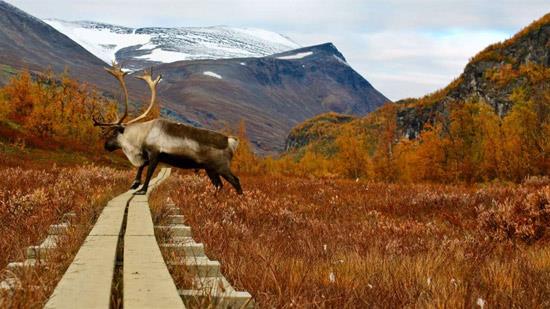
<point x="472" y="144"/>
<point x="31" y="199"/>
<point x="244" y="160"/>
<point x="294" y="242"/>
<point x="525" y="216"/>
<point x="49" y="110"/>
<point x="35" y="194"/>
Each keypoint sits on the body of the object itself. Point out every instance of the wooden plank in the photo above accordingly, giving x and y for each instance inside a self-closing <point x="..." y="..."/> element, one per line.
<point x="88" y="280"/>
<point x="147" y="282"/>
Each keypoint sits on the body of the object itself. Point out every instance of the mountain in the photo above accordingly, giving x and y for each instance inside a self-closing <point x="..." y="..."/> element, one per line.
<point x="497" y="76"/>
<point x="27" y="42"/>
<point x="271" y="94"/>
<point x="138" y="48"/>
<point x="492" y="76"/>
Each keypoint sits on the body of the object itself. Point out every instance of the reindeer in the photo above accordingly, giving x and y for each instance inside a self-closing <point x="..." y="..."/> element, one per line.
<point x="162" y="141"/>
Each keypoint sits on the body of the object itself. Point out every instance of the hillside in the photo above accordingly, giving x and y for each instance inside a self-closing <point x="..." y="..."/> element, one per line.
<point x="492" y="122"/>
<point x="271" y="93"/>
<point x="492" y="76"/>
<point x="28" y="43"/>
<point x="323" y="127"/>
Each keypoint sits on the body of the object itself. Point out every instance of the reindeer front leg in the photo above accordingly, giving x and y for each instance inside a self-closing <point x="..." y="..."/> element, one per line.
<point x="153" y="162"/>
<point x="137" y="181"/>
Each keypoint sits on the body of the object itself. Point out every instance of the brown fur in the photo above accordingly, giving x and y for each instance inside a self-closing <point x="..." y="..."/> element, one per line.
<point x="202" y="136"/>
<point x="163" y="141"/>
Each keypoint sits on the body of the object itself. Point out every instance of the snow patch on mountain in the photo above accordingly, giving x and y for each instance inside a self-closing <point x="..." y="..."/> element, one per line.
<point x="149" y="45"/>
<point x="141" y="47"/>
<point x="342" y="61"/>
<point x="165" y="56"/>
<point x="268" y="36"/>
<point x="212" y="74"/>
<point x="296" y="56"/>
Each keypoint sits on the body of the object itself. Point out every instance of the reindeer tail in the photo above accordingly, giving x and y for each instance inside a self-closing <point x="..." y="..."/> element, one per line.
<point x="233" y="143"/>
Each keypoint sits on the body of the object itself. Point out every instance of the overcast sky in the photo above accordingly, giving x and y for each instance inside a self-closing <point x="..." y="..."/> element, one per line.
<point x="404" y="48"/>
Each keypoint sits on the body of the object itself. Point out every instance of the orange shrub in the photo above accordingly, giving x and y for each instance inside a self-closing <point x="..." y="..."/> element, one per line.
<point x="525" y="216"/>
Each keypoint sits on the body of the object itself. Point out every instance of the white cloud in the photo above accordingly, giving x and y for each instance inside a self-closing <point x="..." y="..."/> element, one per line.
<point x="428" y="61"/>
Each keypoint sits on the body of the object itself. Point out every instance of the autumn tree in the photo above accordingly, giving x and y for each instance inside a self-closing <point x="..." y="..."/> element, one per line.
<point x="423" y="159"/>
<point x="383" y="159"/>
<point x="313" y="163"/>
<point x="244" y="159"/>
<point x="352" y="158"/>
<point x="50" y="108"/>
<point x="526" y="129"/>
<point x="20" y="96"/>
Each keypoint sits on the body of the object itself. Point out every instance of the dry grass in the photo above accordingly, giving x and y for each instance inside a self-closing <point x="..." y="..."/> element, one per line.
<point x="334" y="243"/>
<point x="31" y="199"/>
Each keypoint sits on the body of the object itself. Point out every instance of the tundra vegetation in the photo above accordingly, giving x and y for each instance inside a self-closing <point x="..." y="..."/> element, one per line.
<point x="51" y="165"/>
<point x="34" y="195"/>
<point x="472" y="145"/>
<point x="296" y="242"/>
<point x="357" y="217"/>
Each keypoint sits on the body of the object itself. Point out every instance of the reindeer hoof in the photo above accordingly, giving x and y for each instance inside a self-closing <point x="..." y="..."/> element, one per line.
<point x="135" y="185"/>
<point x="140" y="192"/>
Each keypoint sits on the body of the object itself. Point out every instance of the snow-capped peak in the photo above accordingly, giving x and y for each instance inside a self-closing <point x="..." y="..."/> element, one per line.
<point x="136" y="48"/>
<point x="102" y="40"/>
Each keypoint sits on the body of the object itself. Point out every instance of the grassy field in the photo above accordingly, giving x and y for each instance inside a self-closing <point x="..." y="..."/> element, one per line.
<point x="34" y="194"/>
<point x="305" y="242"/>
<point x="329" y="243"/>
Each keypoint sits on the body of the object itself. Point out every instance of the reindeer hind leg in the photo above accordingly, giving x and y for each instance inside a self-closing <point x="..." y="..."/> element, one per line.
<point x="232" y="179"/>
<point x="215" y="178"/>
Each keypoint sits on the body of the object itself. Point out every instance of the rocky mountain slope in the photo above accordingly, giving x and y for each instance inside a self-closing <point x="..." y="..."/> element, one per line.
<point x="137" y="48"/>
<point x="491" y="76"/>
<point x="520" y="64"/>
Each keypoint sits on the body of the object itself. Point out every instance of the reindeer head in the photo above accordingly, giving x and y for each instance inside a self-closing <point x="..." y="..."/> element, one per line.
<point x="117" y="127"/>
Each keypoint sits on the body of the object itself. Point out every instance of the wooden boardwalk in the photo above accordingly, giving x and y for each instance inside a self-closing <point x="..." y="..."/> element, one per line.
<point x="121" y="250"/>
<point x="147" y="283"/>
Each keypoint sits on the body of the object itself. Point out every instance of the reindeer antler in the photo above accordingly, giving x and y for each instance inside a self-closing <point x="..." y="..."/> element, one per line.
<point x="117" y="72"/>
<point x="148" y="78"/>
